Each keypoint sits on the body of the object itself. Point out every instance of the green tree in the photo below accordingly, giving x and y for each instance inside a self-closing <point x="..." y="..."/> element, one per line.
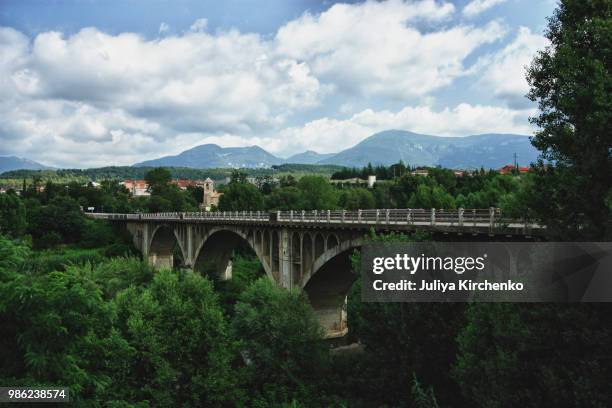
<point x="572" y="84"/>
<point x="284" y="199"/>
<point x="158" y="179"/>
<point x="280" y="339"/>
<point x="403" y="340"/>
<point x="179" y="350"/>
<point x="56" y="329"/>
<point x="62" y="217"/>
<point x="519" y="355"/>
<point x="356" y="198"/>
<point x="241" y="197"/>
<point x="317" y="193"/>
<point x="238" y="176"/>
<point x="12" y="215"/>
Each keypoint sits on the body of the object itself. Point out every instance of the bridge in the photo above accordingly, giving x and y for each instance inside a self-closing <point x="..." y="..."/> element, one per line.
<point x="305" y="249"/>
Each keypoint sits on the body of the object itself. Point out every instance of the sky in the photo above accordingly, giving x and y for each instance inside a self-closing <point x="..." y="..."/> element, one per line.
<point x="90" y="83"/>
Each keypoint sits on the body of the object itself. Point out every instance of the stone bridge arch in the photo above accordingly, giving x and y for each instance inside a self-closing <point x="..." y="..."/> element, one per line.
<point x="328" y="281"/>
<point x="217" y="246"/>
<point x="160" y="248"/>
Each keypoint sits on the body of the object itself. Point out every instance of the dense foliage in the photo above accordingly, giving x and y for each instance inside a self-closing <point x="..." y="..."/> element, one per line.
<point x="572" y="84"/>
<point x="441" y="188"/>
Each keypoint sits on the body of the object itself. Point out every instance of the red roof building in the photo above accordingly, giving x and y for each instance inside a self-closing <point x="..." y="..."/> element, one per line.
<point x="510" y="168"/>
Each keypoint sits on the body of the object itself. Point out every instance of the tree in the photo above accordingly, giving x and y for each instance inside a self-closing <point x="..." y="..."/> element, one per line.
<point x="62" y="216"/>
<point x="356" y="198"/>
<point x="280" y="339"/>
<point x="12" y="215"/>
<point x="56" y="329"/>
<point x="179" y="350"/>
<point x="404" y="340"/>
<point x="158" y="179"/>
<point x="317" y="193"/>
<point x="571" y="82"/>
<point x="241" y="197"/>
<point x="284" y="199"/>
<point x="238" y="176"/>
<point x="520" y="355"/>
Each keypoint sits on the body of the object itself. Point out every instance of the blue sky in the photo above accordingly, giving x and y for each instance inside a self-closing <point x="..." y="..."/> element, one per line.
<point x="90" y="83"/>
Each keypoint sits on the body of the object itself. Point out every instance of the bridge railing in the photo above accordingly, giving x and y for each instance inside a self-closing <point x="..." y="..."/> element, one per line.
<point x="491" y="217"/>
<point x="416" y="216"/>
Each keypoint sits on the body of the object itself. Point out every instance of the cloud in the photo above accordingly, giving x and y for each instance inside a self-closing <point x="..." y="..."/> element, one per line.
<point x="92" y="98"/>
<point x="476" y="7"/>
<point x="91" y="86"/>
<point x="329" y="135"/>
<point x="392" y="49"/>
<point x="504" y="71"/>
<point x="199" y="25"/>
<point x="163" y="28"/>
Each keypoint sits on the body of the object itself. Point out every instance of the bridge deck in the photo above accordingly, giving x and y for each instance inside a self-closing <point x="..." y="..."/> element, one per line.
<point x="488" y="221"/>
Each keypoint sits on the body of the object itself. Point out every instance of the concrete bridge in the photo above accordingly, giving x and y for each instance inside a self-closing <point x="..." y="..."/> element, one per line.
<point x="305" y="249"/>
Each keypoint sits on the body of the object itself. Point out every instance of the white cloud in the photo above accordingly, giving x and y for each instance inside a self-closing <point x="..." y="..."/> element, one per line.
<point x="97" y="86"/>
<point x="331" y="135"/>
<point x="199" y="25"/>
<point x="163" y="28"/>
<point x="378" y="48"/>
<point x="504" y="71"/>
<point x="476" y="7"/>
<point x="92" y="98"/>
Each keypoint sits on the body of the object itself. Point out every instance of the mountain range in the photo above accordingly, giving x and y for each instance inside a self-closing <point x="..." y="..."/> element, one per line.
<point x="8" y="163"/>
<point x="386" y="148"/>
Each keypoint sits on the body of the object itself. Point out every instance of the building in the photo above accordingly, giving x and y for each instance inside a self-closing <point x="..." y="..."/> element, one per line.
<point x="137" y="188"/>
<point x="211" y="196"/>
<point x="510" y="168"/>
<point x="354" y="180"/>
<point x="420" y="172"/>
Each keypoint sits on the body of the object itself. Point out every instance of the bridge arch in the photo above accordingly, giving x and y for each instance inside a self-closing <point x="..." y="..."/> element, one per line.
<point x="217" y="247"/>
<point x="327" y="284"/>
<point x="164" y="239"/>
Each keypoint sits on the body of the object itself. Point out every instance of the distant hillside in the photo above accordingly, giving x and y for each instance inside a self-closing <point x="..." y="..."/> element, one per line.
<point x="15" y="178"/>
<point x="8" y="163"/>
<point x="214" y="156"/>
<point x="388" y="147"/>
<point x="308" y="157"/>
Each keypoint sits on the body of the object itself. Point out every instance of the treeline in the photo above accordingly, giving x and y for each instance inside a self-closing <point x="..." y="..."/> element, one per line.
<point x="53" y="214"/>
<point x="381" y="172"/>
<point x="441" y="188"/>
<point x="15" y="178"/>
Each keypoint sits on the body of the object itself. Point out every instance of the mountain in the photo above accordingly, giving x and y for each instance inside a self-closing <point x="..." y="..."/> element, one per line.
<point x="488" y="150"/>
<point x="308" y="157"/>
<point x="390" y="146"/>
<point x="214" y="156"/>
<point x="8" y="163"/>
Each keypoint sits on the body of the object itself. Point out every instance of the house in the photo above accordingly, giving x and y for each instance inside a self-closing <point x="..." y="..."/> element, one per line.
<point x="420" y="172"/>
<point x="510" y="168"/>
<point x="136" y="187"/>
